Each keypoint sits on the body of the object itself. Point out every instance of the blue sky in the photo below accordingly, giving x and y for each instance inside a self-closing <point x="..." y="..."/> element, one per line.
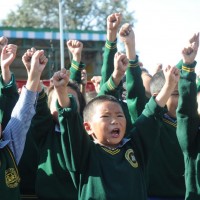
<point x="162" y="29"/>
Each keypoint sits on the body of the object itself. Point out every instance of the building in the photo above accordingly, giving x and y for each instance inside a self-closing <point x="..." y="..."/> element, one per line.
<point x="49" y="40"/>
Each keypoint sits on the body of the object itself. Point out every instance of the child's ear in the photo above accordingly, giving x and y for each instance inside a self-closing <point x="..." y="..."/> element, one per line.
<point x="87" y="127"/>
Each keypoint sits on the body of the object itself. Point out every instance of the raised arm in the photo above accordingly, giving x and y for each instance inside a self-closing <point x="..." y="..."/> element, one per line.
<point x="113" y="23"/>
<point x="43" y="116"/>
<point x="75" y="47"/>
<point x="136" y="98"/>
<point x="148" y="123"/>
<point x="17" y="128"/>
<point x="187" y="115"/>
<point x="8" y="88"/>
<point x="73" y="136"/>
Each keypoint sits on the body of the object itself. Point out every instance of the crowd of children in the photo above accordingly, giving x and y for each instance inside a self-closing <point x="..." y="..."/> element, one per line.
<point x="134" y="138"/>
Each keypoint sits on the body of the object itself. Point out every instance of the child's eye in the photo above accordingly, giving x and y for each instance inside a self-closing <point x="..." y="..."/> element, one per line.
<point x="120" y="115"/>
<point x="103" y="116"/>
<point x="177" y="94"/>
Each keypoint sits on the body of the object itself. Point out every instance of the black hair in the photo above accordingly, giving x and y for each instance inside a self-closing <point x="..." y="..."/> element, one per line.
<point x="89" y="108"/>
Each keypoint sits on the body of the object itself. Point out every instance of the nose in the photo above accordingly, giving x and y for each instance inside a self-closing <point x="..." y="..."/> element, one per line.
<point x="114" y="121"/>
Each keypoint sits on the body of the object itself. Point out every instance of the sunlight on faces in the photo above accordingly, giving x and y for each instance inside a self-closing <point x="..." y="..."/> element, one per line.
<point x="52" y="105"/>
<point x="107" y="125"/>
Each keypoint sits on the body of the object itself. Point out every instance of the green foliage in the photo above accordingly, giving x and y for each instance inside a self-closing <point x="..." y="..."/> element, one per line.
<point x="77" y="14"/>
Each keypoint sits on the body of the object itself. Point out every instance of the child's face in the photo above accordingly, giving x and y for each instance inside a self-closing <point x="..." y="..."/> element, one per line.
<point x="172" y="103"/>
<point x="107" y="124"/>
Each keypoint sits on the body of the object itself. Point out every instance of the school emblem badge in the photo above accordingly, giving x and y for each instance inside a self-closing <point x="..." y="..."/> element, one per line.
<point x="129" y="155"/>
<point x="12" y="178"/>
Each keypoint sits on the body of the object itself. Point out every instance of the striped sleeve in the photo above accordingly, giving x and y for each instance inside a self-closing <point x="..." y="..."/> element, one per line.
<point x="20" y="121"/>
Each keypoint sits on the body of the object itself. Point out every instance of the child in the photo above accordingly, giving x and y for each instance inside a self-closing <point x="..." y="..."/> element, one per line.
<point x="188" y="120"/>
<point x="29" y="161"/>
<point x="14" y="135"/>
<point x="50" y="179"/>
<point x="111" y="166"/>
<point x="166" y="168"/>
<point x="8" y="88"/>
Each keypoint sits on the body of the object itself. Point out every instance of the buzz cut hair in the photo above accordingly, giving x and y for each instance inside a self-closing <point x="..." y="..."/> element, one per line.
<point x="157" y="82"/>
<point x="89" y="108"/>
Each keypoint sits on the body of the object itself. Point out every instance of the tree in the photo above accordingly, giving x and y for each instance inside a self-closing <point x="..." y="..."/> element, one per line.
<point x="77" y="14"/>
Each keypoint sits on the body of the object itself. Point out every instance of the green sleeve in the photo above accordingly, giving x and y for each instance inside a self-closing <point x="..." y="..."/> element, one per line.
<point x="108" y="60"/>
<point x="8" y="98"/>
<point x="109" y="88"/>
<point x="147" y="128"/>
<point x="187" y="116"/>
<point x="75" y="71"/>
<point x="75" y="140"/>
<point x="136" y="98"/>
<point x="42" y="121"/>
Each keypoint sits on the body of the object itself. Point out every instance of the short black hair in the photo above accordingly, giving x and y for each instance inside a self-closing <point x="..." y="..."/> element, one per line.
<point x="157" y="82"/>
<point x="89" y="108"/>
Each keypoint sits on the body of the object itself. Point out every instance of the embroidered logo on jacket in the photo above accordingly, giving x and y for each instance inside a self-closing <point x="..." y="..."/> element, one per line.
<point x="129" y="155"/>
<point x="12" y="178"/>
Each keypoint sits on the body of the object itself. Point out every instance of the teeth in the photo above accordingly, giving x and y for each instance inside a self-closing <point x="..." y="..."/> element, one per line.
<point x="115" y="131"/>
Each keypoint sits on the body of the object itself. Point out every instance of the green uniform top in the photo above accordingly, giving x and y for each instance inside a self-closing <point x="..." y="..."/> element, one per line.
<point x="28" y="164"/>
<point x="53" y="180"/>
<point x="8" y="98"/>
<point x="104" y="173"/>
<point x="8" y="189"/>
<point x="108" y="60"/>
<point x="8" y="166"/>
<point x="75" y="71"/>
<point x="188" y="130"/>
<point x="166" y="167"/>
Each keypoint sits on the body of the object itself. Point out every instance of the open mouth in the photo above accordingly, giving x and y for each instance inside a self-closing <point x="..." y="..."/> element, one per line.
<point x="115" y="132"/>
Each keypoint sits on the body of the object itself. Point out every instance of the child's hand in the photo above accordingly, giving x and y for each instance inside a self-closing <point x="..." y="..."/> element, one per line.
<point x="60" y="79"/>
<point x="189" y="53"/>
<point x="96" y="81"/>
<point x="75" y="47"/>
<point x="157" y="68"/>
<point x="8" y="55"/>
<point x="3" y="42"/>
<point x="126" y="34"/>
<point x="37" y="66"/>
<point x="35" y="70"/>
<point x="172" y="75"/>
<point x="26" y="58"/>
<point x="120" y="66"/>
<point x="113" y="22"/>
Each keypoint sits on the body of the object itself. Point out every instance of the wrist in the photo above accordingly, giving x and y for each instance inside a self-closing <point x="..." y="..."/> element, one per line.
<point x="77" y="58"/>
<point x="111" y="35"/>
<point x="117" y="78"/>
